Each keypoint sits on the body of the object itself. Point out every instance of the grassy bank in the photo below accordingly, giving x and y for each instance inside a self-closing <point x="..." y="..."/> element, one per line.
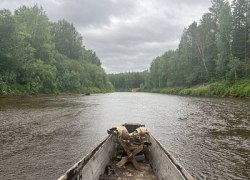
<point x="239" y="89"/>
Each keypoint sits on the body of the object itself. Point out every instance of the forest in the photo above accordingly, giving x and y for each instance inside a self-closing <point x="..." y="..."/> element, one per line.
<point x="213" y="56"/>
<point x="39" y="56"/>
<point x="127" y="81"/>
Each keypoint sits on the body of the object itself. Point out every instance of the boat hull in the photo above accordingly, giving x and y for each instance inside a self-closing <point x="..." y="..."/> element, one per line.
<point x="93" y="165"/>
<point x="164" y="165"/>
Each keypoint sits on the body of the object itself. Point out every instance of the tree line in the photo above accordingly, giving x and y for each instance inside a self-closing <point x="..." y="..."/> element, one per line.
<point x="217" y="48"/>
<point x="127" y="81"/>
<point x="40" y="56"/>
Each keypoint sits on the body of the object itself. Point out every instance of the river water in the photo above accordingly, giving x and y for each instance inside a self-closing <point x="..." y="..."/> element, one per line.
<point x="41" y="137"/>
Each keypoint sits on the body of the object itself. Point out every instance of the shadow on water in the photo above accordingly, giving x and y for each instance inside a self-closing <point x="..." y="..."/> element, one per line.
<point x="41" y="137"/>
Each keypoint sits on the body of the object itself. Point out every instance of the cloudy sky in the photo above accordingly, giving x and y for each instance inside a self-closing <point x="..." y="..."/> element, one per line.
<point x="126" y="34"/>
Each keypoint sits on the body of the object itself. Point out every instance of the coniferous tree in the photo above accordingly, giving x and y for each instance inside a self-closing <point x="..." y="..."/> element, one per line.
<point x="240" y="44"/>
<point x="223" y="40"/>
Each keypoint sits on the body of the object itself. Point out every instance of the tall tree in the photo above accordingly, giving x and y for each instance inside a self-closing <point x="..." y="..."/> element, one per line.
<point x="205" y="42"/>
<point x="215" y="8"/>
<point x="154" y="72"/>
<point x="197" y="69"/>
<point x="223" y="39"/>
<point x="7" y="39"/>
<point x="90" y="56"/>
<point x="34" y="23"/>
<point x="240" y="45"/>
<point x="67" y="40"/>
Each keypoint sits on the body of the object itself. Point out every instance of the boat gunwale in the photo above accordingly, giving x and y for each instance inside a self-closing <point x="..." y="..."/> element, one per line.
<point x="176" y="163"/>
<point x="72" y="172"/>
<point x="77" y="167"/>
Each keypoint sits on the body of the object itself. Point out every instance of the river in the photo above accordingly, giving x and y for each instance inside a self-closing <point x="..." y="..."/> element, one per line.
<point x="41" y="137"/>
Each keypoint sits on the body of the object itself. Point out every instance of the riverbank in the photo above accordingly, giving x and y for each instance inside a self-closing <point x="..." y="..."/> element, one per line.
<point x="92" y="90"/>
<point x="240" y="88"/>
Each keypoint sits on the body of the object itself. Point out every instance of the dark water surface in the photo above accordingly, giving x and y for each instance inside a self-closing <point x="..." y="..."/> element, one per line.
<point x="41" y="137"/>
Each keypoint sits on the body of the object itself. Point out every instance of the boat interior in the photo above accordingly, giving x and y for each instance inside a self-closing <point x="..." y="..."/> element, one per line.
<point x="126" y="166"/>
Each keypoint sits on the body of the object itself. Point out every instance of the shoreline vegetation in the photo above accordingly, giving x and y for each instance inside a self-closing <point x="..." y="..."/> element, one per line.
<point x="240" y="89"/>
<point x="212" y="58"/>
<point x="27" y="94"/>
<point x="44" y="57"/>
<point x="38" y="56"/>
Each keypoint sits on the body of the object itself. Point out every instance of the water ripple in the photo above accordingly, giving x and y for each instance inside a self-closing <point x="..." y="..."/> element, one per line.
<point x="41" y="137"/>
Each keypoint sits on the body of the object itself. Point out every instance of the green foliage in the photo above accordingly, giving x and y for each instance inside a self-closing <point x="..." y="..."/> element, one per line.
<point x="42" y="77"/>
<point x="128" y="81"/>
<point x="223" y="38"/>
<point x="37" y="56"/>
<point x="171" y="90"/>
<point x="235" y="69"/>
<point x="239" y="89"/>
<point x="35" y="24"/>
<point x="241" y="29"/>
<point x="3" y="86"/>
<point x="213" y="52"/>
<point x="67" y="40"/>
<point x="91" y="57"/>
<point x="197" y="91"/>
<point x="7" y="29"/>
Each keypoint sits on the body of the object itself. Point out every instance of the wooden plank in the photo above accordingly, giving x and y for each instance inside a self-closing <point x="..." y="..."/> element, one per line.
<point x="163" y="164"/>
<point x="135" y="163"/>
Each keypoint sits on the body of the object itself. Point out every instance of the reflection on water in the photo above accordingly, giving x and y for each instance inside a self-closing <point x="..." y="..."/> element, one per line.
<point x="41" y="137"/>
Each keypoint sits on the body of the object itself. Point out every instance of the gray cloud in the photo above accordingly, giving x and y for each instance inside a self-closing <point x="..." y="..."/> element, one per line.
<point x="126" y="35"/>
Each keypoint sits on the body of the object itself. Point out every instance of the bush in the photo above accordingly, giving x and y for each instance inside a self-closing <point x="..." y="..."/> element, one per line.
<point x="3" y="87"/>
<point x="240" y="88"/>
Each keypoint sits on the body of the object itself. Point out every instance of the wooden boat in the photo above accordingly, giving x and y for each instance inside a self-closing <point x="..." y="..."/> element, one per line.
<point x="157" y="164"/>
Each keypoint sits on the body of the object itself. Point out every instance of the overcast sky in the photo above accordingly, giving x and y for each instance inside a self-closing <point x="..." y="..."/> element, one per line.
<point x="126" y="34"/>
